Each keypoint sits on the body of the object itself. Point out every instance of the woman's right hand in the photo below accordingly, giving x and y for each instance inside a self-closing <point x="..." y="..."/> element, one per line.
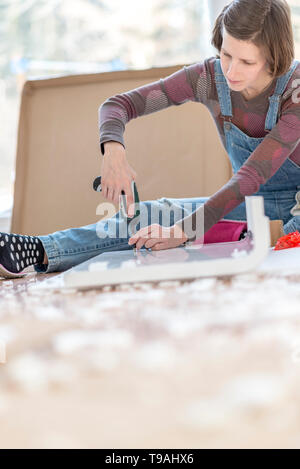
<point x="117" y="175"/>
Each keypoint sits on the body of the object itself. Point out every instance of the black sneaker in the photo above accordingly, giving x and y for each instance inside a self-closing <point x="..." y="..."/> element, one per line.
<point x="17" y="252"/>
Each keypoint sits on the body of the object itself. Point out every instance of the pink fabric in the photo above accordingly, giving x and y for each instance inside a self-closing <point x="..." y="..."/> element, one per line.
<point x="225" y="231"/>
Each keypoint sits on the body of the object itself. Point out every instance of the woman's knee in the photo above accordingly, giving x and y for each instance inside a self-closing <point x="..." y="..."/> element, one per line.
<point x="292" y="225"/>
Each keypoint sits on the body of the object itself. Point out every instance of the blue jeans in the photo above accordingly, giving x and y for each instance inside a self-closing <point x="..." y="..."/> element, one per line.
<point x="72" y="246"/>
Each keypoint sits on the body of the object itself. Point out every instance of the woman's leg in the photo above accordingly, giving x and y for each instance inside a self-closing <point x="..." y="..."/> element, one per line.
<point x="67" y="248"/>
<point x="292" y="225"/>
<point x="70" y="247"/>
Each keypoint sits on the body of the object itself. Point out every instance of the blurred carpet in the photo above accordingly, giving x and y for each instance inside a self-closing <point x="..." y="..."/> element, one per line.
<point x="209" y="363"/>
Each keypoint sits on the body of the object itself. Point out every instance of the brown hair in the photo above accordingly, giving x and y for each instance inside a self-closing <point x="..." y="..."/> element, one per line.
<point x="265" y="23"/>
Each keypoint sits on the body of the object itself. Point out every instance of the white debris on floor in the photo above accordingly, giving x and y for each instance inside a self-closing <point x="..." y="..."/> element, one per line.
<point x="213" y="362"/>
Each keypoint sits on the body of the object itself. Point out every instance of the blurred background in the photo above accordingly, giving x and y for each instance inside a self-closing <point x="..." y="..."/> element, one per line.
<point x="47" y="38"/>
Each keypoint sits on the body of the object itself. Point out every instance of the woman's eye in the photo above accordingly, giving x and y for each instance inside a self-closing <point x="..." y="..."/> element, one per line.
<point x="227" y="55"/>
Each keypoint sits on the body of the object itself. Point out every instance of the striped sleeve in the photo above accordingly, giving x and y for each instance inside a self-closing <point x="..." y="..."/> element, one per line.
<point x="191" y="83"/>
<point x="261" y="165"/>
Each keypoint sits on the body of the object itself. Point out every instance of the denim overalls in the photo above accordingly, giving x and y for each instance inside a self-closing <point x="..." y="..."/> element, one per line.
<point x="280" y="190"/>
<point x="73" y="246"/>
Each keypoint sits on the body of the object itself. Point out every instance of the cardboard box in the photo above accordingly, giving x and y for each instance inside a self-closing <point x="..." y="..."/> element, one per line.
<point x="276" y="231"/>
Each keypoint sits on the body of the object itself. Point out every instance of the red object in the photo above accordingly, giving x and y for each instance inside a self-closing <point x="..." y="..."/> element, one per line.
<point x="225" y="231"/>
<point x="291" y="240"/>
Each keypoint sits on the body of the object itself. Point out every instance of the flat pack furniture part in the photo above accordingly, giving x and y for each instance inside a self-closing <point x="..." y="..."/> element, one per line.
<point x="186" y="262"/>
<point x="58" y="154"/>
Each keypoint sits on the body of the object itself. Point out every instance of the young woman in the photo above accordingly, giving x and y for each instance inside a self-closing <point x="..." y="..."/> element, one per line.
<point x="252" y="89"/>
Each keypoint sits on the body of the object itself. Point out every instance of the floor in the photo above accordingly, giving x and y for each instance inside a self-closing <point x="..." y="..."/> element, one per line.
<point x="209" y="363"/>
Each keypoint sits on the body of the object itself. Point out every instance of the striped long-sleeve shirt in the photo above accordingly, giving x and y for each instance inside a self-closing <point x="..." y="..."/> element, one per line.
<point x="196" y="83"/>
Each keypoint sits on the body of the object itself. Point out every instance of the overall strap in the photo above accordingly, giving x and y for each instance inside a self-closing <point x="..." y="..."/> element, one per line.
<point x="275" y="99"/>
<point x="223" y="91"/>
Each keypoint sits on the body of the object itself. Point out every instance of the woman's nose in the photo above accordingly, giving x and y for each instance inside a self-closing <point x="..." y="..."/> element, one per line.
<point x="233" y="72"/>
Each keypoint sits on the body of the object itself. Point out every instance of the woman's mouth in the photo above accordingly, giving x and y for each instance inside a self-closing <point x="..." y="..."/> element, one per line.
<point x="233" y="82"/>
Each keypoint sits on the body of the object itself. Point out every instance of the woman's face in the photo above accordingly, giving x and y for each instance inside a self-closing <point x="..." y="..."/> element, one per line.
<point x="243" y="64"/>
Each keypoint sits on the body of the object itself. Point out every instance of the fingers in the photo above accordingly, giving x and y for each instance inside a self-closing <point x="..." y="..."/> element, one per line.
<point x="117" y="198"/>
<point x="117" y="175"/>
<point x="133" y="174"/>
<point x="110" y="194"/>
<point x="157" y="241"/>
<point x="141" y="242"/>
<point x="154" y="230"/>
<point x="129" y="201"/>
<point x="104" y="190"/>
<point x="142" y="232"/>
<point x="150" y="243"/>
<point x="155" y="237"/>
<point x="141" y="238"/>
<point x="160" y="246"/>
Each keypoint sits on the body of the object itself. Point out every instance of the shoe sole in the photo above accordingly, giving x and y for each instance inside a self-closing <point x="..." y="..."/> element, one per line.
<point x="7" y="274"/>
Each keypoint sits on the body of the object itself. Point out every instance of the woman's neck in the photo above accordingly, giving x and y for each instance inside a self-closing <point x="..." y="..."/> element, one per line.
<point x="252" y="92"/>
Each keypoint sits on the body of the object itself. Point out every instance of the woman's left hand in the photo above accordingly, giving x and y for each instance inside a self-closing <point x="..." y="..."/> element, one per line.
<point x="158" y="237"/>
